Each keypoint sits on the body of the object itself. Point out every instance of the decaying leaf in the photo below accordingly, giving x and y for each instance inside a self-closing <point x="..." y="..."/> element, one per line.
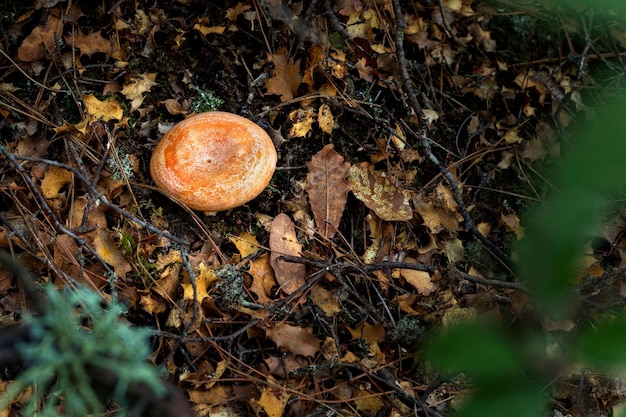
<point x="439" y="210"/>
<point x="40" y="40"/>
<point x="89" y="44"/>
<point x="105" y="110"/>
<point x="55" y="179"/>
<point x="136" y="87"/>
<point x="263" y="279"/>
<point x="283" y="241"/>
<point x="245" y="243"/>
<point x="379" y="193"/>
<point x="328" y="189"/>
<point x="294" y="339"/>
<point x="302" y="122"/>
<point x="273" y="401"/>
<point x="286" y="76"/>
<point x="325" y="119"/>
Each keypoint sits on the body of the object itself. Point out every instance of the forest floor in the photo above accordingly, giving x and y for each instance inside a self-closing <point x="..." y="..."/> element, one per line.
<point x="403" y="184"/>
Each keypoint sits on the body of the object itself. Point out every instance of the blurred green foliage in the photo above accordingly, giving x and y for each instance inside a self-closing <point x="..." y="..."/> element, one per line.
<point x="508" y="377"/>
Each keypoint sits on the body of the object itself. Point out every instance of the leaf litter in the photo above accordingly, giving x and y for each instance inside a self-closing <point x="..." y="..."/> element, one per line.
<point x="287" y="306"/>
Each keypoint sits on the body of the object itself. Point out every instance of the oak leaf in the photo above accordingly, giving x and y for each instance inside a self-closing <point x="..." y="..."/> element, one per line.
<point x="379" y="193"/>
<point x="135" y="89"/>
<point x="283" y="241"/>
<point x="294" y="339"/>
<point x="286" y="76"/>
<point x="328" y="189"/>
<point x="89" y="44"/>
<point x="105" y="110"/>
<point x="263" y="279"/>
<point x="40" y="40"/>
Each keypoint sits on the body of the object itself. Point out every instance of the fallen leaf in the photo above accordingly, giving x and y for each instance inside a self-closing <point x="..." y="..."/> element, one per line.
<point x="89" y="44"/>
<point x="286" y="76"/>
<point x="328" y="189"/>
<point x="204" y="278"/>
<point x="283" y="241"/>
<point x="420" y="280"/>
<point x="106" y="110"/>
<point x="246" y="244"/>
<point x="325" y="119"/>
<point x="302" y="122"/>
<point x="55" y="179"/>
<point x="263" y="279"/>
<point x="294" y="339"/>
<point x="273" y="401"/>
<point x="379" y="193"/>
<point x="135" y="89"/>
<point x="106" y="248"/>
<point x="324" y="299"/>
<point x="41" y="40"/>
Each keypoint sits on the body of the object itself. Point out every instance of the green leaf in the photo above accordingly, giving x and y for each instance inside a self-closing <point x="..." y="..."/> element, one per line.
<point x="604" y="347"/>
<point x="511" y="398"/>
<point x="474" y="348"/>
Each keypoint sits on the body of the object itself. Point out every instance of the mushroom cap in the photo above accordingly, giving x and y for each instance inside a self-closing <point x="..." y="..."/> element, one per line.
<point x="214" y="161"/>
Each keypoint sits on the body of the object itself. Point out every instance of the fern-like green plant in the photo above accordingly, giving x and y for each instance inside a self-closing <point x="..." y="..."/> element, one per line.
<point x="76" y="338"/>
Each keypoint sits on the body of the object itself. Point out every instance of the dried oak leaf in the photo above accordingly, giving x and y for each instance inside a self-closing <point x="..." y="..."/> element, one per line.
<point x="137" y="86"/>
<point x="105" y="110"/>
<point x="294" y="339"/>
<point x="89" y="44"/>
<point x="439" y="210"/>
<point x="273" y="401"/>
<point x="40" y="40"/>
<point x="263" y="279"/>
<point x="379" y="193"/>
<point x="245" y="243"/>
<point x="286" y="76"/>
<point x="328" y="189"/>
<point x="283" y="241"/>
<point x="55" y="179"/>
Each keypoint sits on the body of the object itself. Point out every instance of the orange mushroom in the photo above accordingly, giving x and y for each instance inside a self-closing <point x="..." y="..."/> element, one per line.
<point x="214" y="161"/>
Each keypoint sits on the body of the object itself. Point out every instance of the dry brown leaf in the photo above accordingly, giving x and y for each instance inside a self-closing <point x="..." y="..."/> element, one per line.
<point x="328" y="189"/>
<point x="286" y="76"/>
<point x="105" y="110"/>
<point x="420" y="280"/>
<point x="135" y="89"/>
<point x="290" y="276"/>
<point x="325" y="119"/>
<point x="263" y="279"/>
<point x="294" y="339"/>
<point x="273" y="401"/>
<point x="41" y="40"/>
<point x="245" y="243"/>
<point x="379" y="193"/>
<point x="89" y="44"/>
<point x="302" y="122"/>
<point x="107" y="249"/>
<point x="55" y="179"/>
<point x="439" y="210"/>
<point x="324" y="299"/>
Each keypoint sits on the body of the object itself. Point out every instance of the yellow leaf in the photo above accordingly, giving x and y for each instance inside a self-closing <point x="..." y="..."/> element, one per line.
<point x="55" y="179"/>
<point x="135" y="89"/>
<point x="204" y="279"/>
<point x="273" y="401"/>
<point x="105" y="110"/>
<point x="245" y="243"/>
